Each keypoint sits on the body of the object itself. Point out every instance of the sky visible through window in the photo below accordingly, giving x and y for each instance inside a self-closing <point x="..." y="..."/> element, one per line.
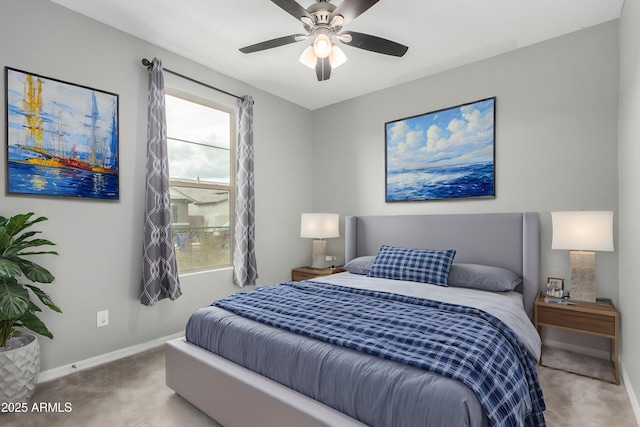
<point x="206" y="154"/>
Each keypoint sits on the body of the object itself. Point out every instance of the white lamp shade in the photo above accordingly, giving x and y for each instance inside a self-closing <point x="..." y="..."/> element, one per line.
<point x="337" y="57"/>
<point x="582" y="230"/>
<point x="309" y="58"/>
<point x="319" y="225"/>
<point x="322" y="46"/>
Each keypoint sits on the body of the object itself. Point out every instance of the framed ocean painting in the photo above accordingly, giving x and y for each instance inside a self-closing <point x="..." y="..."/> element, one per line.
<point x="444" y="154"/>
<point x="62" y="138"/>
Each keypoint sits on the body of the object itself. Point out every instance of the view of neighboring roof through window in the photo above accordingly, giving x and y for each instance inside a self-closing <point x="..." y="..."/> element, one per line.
<point x="199" y="142"/>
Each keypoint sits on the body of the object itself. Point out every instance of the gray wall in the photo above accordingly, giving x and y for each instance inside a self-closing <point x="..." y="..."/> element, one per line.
<point x="556" y="143"/>
<point x="100" y="242"/>
<point x="629" y="203"/>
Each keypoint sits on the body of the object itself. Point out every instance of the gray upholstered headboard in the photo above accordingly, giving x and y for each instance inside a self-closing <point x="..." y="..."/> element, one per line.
<point x="507" y="240"/>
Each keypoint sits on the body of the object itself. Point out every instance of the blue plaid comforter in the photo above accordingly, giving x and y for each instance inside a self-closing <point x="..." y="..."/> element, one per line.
<point x="459" y="342"/>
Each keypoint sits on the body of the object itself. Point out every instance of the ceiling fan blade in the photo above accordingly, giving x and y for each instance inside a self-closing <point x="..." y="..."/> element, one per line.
<point x="375" y="44"/>
<point x="269" y="44"/>
<point x="323" y="69"/>
<point x="351" y="9"/>
<point x="293" y="8"/>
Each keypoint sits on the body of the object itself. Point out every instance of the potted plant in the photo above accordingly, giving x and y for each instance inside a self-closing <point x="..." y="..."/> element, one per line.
<point x="20" y="353"/>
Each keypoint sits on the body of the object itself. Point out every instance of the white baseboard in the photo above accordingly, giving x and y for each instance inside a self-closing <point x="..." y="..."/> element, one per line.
<point x="55" y="373"/>
<point x="600" y="354"/>
<point x="635" y="403"/>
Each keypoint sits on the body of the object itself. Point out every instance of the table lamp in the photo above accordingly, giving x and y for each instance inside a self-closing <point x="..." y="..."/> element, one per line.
<point x="319" y="226"/>
<point x="583" y="233"/>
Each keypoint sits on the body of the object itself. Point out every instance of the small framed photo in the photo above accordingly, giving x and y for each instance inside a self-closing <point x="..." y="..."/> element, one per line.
<point x="555" y="287"/>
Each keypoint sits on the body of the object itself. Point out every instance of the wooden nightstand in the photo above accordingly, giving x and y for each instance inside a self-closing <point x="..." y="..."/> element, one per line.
<point x="308" y="273"/>
<point x="599" y="318"/>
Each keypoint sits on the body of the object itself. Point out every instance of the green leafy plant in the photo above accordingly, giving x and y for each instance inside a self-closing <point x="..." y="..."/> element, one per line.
<point x="17" y="309"/>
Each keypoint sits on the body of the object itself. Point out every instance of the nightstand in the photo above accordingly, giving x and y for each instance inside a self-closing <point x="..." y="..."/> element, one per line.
<point x="600" y="318"/>
<point x="308" y="273"/>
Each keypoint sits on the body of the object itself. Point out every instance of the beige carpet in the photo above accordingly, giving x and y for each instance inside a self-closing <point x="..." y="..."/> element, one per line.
<point x="574" y="400"/>
<point x="131" y="392"/>
<point x="579" y="363"/>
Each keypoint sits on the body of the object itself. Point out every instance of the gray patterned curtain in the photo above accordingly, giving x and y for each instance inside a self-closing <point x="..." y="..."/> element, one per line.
<point x="159" y="268"/>
<point x="245" y="270"/>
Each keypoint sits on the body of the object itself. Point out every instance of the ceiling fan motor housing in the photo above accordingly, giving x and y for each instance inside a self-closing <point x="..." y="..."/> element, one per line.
<point x="321" y="11"/>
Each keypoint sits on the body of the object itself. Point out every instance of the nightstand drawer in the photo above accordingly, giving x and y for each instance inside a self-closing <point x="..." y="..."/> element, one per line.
<point x="302" y="275"/>
<point x="308" y="273"/>
<point x="579" y="321"/>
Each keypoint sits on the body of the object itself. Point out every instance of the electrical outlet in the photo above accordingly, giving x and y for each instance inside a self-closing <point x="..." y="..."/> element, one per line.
<point x="102" y="318"/>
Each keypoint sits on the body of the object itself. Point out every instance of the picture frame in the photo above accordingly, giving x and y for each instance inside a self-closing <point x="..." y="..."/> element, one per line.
<point x="443" y="154"/>
<point x="62" y="138"/>
<point x="555" y="287"/>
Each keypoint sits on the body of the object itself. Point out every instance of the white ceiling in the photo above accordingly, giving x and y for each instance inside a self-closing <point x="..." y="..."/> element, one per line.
<point x="440" y="34"/>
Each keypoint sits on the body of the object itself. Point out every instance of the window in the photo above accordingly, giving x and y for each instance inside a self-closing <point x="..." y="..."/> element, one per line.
<point x="200" y="146"/>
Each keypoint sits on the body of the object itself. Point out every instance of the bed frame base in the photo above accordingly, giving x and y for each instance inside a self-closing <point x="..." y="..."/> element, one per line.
<point x="235" y="396"/>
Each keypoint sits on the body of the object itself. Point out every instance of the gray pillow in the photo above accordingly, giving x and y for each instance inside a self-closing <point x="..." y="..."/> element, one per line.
<point x="360" y="265"/>
<point x="484" y="277"/>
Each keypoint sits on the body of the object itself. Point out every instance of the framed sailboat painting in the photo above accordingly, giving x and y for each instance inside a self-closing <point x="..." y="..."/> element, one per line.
<point x="62" y="138"/>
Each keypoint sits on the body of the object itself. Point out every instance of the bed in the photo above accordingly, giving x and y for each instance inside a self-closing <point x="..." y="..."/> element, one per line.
<point x="236" y="396"/>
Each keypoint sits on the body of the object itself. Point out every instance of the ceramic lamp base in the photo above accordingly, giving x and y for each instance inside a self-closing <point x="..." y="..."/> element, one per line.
<point x="583" y="276"/>
<point x="319" y="252"/>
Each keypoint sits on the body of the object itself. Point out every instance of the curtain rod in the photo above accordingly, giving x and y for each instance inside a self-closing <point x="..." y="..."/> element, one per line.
<point x="147" y="64"/>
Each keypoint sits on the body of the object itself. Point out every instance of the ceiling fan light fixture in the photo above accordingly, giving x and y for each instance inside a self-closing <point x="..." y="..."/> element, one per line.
<point x="322" y="46"/>
<point x="309" y="58"/>
<point x="323" y="23"/>
<point x="337" y="57"/>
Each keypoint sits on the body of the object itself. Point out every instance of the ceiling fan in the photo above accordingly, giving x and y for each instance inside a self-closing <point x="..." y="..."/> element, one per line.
<point x="323" y="22"/>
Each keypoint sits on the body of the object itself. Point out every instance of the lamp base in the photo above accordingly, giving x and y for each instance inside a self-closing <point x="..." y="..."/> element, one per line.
<point x="319" y="252"/>
<point x="583" y="276"/>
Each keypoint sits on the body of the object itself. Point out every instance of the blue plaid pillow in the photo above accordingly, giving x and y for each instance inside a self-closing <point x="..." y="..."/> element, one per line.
<point x="416" y="265"/>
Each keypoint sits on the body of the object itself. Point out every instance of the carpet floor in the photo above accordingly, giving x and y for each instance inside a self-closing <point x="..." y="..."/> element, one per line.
<point x="131" y="392"/>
